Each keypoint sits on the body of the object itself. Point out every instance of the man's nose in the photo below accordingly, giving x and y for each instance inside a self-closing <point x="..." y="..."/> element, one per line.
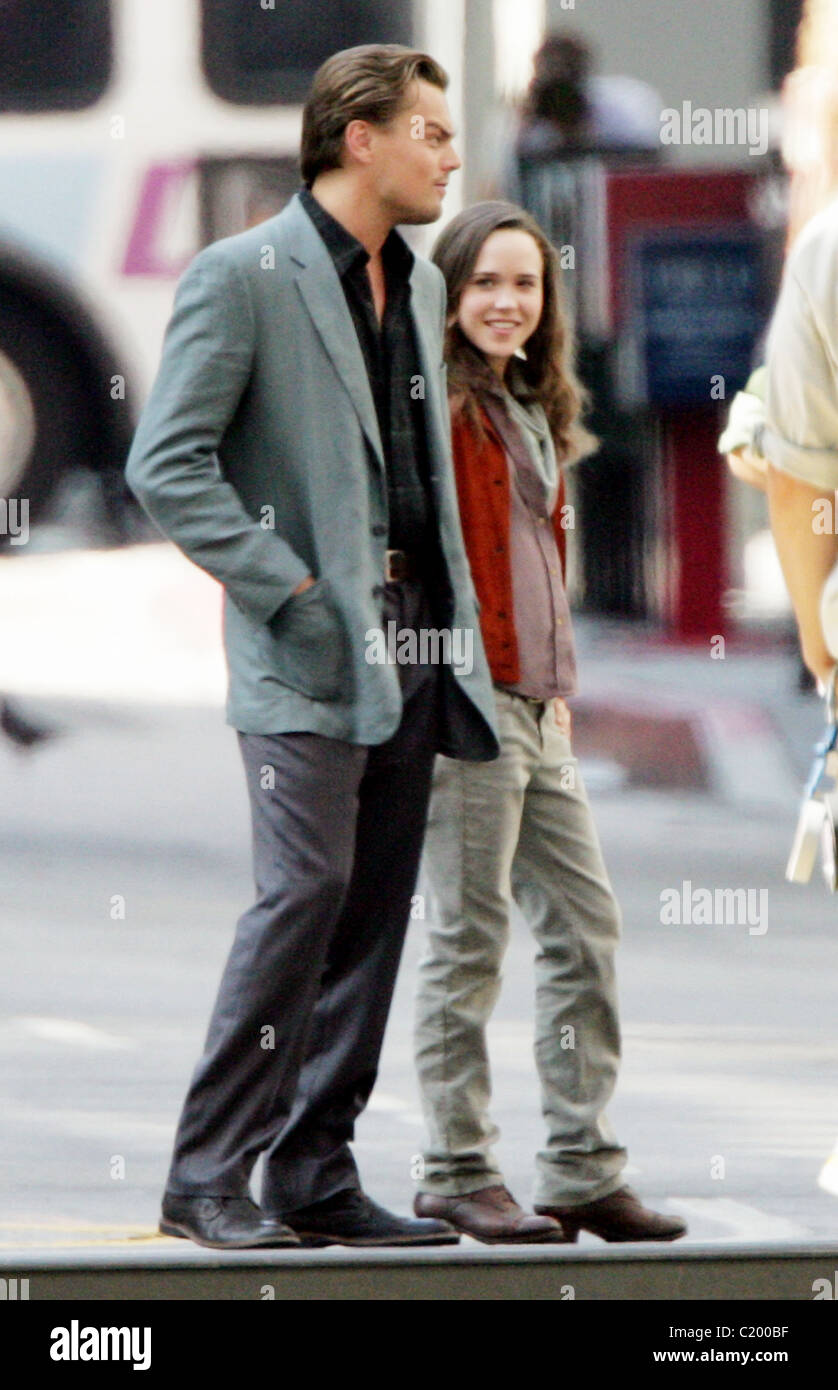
<point x="452" y="159"/>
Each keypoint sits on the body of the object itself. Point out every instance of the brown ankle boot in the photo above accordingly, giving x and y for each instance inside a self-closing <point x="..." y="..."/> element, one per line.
<point x="491" y="1215"/>
<point x="619" y="1217"/>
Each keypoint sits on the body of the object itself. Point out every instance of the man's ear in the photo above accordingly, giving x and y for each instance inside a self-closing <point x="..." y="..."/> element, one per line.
<point x="357" y="139"/>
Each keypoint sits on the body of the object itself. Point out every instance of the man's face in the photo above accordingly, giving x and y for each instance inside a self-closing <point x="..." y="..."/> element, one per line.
<point x="413" y="157"/>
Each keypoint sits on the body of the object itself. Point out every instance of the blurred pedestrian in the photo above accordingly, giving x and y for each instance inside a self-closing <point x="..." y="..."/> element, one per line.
<point x="800" y="437"/>
<point x="569" y="109"/>
<point x="288" y="450"/>
<point x="810" y="153"/>
<point x="521" y="827"/>
<point x="780" y="435"/>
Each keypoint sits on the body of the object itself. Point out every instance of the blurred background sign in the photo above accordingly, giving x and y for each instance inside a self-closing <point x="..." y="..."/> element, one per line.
<point x="696" y="312"/>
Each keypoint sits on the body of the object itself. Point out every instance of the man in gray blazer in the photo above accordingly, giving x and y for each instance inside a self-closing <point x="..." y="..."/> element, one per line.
<point x="295" y="445"/>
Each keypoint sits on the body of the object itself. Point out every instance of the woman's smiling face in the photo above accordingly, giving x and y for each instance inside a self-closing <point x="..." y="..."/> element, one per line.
<point x="501" y="302"/>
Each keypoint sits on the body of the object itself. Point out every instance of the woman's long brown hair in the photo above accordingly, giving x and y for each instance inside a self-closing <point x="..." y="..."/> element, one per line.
<point x="547" y="370"/>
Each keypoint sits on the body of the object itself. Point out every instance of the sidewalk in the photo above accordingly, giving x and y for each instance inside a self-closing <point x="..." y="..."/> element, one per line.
<point x="673" y="716"/>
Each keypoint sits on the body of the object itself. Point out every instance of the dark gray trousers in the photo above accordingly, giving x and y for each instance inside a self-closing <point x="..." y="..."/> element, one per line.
<point x="292" y="1050"/>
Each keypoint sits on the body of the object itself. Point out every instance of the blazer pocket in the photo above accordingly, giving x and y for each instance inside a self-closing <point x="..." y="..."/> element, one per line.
<point x="305" y="644"/>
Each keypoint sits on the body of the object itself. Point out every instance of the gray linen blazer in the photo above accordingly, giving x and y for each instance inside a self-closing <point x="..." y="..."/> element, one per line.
<point x="258" y="453"/>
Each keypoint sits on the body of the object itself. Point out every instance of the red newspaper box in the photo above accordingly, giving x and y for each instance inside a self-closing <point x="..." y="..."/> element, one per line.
<point x="686" y="306"/>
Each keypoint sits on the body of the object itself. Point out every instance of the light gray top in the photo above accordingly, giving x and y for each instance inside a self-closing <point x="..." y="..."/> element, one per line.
<point x="801" y="432"/>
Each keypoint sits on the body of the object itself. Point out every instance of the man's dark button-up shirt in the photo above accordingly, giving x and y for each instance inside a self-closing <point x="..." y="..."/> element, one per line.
<point x="392" y="364"/>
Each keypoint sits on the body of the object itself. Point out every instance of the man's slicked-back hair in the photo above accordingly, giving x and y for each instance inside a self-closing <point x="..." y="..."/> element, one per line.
<point x="367" y="83"/>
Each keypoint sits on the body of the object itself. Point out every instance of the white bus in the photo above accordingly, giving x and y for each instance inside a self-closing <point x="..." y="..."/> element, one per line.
<point x="132" y="132"/>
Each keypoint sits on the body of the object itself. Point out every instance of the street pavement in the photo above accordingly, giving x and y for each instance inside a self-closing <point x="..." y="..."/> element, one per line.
<point x="124" y="853"/>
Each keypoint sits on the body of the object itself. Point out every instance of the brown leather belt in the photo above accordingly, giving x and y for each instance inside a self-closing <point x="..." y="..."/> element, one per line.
<point x="398" y="565"/>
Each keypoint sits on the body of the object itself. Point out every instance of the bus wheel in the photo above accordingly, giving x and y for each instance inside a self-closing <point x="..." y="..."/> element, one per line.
<point x="17" y="426"/>
<point x="44" y="404"/>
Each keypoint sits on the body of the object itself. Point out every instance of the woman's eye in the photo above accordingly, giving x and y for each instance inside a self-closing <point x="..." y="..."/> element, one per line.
<point x="487" y="283"/>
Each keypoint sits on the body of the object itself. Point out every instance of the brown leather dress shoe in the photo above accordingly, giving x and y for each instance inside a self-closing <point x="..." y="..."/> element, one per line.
<point x="491" y="1215"/>
<point x="619" y="1217"/>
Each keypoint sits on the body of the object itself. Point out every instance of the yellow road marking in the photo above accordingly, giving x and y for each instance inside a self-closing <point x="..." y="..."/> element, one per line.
<point x="81" y="1244"/>
<point x="69" y="1226"/>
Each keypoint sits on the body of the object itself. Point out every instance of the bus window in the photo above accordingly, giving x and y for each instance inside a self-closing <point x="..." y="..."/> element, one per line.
<point x="255" y="54"/>
<point x="55" y="56"/>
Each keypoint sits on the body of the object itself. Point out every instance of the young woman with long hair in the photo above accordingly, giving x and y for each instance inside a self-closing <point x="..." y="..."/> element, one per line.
<point x="519" y="827"/>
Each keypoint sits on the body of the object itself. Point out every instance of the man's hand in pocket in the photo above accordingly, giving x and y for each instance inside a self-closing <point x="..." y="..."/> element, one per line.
<point x="307" y="646"/>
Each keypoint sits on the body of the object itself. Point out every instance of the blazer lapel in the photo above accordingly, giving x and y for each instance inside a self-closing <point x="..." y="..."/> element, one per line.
<point x="425" y="312"/>
<point x="323" y="296"/>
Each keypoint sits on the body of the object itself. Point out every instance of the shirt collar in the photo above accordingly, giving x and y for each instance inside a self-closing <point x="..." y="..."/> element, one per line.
<point x="346" y="250"/>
